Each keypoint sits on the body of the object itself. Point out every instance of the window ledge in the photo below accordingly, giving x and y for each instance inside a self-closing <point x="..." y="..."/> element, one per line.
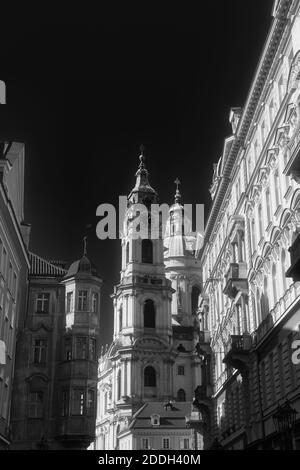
<point x="288" y="193"/>
<point x="278" y="211"/>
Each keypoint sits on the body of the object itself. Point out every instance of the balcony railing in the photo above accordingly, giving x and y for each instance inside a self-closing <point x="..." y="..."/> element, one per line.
<point x="277" y="313"/>
<point x="236" y="279"/>
<point x="238" y="351"/>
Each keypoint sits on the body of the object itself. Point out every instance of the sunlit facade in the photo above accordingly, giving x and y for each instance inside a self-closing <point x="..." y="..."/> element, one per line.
<point x="249" y="293"/>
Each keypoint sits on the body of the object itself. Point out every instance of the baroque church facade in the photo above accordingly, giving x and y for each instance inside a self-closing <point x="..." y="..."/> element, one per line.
<point x="148" y="375"/>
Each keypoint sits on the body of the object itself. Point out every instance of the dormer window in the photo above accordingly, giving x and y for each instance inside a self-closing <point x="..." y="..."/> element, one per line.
<point x="155" y="420"/>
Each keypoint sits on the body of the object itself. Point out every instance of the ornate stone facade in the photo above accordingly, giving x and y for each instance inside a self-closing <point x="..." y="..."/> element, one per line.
<point x="253" y="303"/>
<point x="153" y="356"/>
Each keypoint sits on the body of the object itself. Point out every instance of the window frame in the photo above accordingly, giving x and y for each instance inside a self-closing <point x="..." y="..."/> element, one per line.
<point x="45" y="299"/>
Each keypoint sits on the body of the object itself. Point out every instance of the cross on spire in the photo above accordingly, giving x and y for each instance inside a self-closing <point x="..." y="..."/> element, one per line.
<point x="177" y="182"/>
<point x="142" y="156"/>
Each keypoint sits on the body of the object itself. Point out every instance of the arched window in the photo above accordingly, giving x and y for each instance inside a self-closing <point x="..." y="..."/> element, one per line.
<point x="195" y="298"/>
<point x="119" y="379"/>
<point x="127" y="253"/>
<point x="181" y="395"/>
<point x="147" y="251"/>
<point x="149" y="314"/>
<point x="264" y="301"/>
<point x="149" y="377"/>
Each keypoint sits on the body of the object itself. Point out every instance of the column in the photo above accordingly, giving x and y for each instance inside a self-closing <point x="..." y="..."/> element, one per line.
<point x="244" y="314"/>
<point x="129" y="391"/>
<point x="122" y="379"/>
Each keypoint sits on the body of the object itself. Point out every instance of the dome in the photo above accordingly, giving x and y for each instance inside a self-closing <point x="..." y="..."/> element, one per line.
<point x="82" y="266"/>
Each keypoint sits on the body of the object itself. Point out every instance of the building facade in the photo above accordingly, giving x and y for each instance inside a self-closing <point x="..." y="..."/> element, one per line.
<point x="152" y="362"/>
<point x="55" y="384"/>
<point x="14" y="264"/>
<point x="250" y="289"/>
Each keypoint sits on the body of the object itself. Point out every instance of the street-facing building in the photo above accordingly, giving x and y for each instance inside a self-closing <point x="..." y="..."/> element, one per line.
<point x="14" y="263"/>
<point x="55" y="385"/>
<point x="250" y="258"/>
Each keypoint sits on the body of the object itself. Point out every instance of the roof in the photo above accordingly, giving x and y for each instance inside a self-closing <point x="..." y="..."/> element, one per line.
<point x="169" y="418"/>
<point x="82" y="266"/>
<point x="42" y="267"/>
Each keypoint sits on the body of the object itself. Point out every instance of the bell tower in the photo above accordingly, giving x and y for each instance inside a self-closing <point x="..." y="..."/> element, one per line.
<point x="142" y="305"/>
<point x="183" y="270"/>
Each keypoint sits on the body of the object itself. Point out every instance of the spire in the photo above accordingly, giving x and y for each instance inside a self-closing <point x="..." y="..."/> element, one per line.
<point x="177" y="194"/>
<point x="142" y="186"/>
<point x="142" y="157"/>
<point x="85" y="245"/>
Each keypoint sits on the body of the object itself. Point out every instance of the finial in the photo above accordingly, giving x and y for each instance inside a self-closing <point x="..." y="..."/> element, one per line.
<point x="142" y="156"/>
<point x="85" y="245"/>
<point x="177" y="194"/>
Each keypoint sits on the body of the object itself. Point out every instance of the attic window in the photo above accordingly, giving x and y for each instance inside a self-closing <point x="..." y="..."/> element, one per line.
<point x="155" y="420"/>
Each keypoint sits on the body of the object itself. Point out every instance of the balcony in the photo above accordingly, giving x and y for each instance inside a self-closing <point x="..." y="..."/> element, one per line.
<point x="294" y="269"/>
<point x="194" y="419"/>
<point x="204" y="337"/>
<point x="236" y="280"/>
<point x="237" y="355"/>
<point x="293" y="166"/>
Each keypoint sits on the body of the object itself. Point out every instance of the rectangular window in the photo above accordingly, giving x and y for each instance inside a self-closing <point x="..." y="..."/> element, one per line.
<point x="77" y="408"/>
<point x="145" y="443"/>
<point x="166" y="443"/>
<point x="95" y="302"/>
<point x="35" y="408"/>
<point x="90" y="402"/>
<point x="69" y="301"/>
<point x="42" y="303"/>
<point x="82" y="300"/>
<point x="81" y="347"/>
<point x="68" y="349"/>
<point x="180" y="370"/>
<point x="92" y="349"/>
<point x="65" y="403"/>
<point x="185" y="443"/>
<point x="39" y="351"/>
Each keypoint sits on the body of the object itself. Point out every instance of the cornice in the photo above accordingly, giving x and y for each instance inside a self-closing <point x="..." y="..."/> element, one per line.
<point x="255" y="92"/>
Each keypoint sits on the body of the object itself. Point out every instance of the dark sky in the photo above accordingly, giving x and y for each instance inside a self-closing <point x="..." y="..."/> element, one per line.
<point x="84" y="96"/>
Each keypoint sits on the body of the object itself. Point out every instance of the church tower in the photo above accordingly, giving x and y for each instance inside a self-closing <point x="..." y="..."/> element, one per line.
<point x="148" y="376"/>
<point x="182" y="269"/>
<point x="137" y="367"/>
